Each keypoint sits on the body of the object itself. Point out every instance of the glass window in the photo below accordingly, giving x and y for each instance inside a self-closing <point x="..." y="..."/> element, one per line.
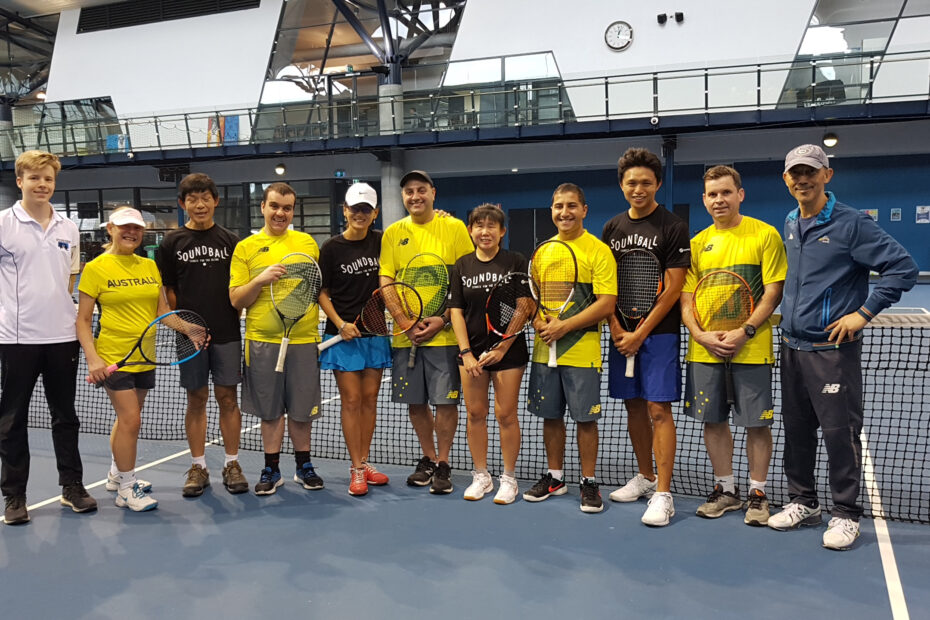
<point x="844" y="11"/>
<point x="917" y="7"/>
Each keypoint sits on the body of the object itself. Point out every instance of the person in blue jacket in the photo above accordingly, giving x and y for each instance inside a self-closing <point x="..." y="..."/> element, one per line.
<point x="831" y="248"/>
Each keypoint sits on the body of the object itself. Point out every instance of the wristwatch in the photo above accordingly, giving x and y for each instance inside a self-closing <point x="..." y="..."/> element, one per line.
<point x="749" y="330"/>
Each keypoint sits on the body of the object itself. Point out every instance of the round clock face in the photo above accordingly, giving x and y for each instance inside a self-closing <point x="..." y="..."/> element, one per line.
<point x="618" y="36"/>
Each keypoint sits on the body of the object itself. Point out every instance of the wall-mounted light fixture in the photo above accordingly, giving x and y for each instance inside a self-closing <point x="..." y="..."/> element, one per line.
<point x="661" y="18"/>
<point x="679" y="16"/>
<point x="280" y="169"/>
<point x="830" y="139"/>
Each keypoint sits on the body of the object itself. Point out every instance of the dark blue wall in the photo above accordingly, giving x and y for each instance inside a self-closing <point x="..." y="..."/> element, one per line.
<point x="863" y="183"/>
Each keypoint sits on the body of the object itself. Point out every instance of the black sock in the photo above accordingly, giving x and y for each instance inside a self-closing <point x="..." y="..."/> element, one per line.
<point x="301" y="458"/>
<point x="272" y="460"/>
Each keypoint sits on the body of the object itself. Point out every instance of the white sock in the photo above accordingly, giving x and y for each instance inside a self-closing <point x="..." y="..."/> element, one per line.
<point x="558" y="474"/>
<point x="200" y="460"/>
<point x="126" y="479"/>
<point x="727" y="482"/>
<point x="585" y="478"/>
<point x="510" y="473"/>
<point x="482" y="470"/>
<point x="230" y="458"/>
<point x="114" y="470"/>
<point x="755" y="484"/>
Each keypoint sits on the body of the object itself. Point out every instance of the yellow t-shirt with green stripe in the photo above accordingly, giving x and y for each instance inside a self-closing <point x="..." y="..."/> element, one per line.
<point x="251" y="257"/>
<point x="753" y="250"/>
<point x="597" y="275"/>
<point x="446" y="237"/>
<point x="126" y="289"/>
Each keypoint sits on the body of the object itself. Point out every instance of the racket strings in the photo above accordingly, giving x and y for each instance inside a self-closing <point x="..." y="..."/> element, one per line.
<point x="297" y="290"/>
<point x="553" y="273"/>
<point x="391" y="310"/>
<point x="177" y="336"/>
<point x="511" y="305"/>
<point x="722" y="302"/>
<point x="639" y="276"/>
<point x="430" y="278"/>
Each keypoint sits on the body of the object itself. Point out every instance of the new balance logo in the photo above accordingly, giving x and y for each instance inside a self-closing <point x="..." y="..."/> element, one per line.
<point x="710" y="246"/>
<point x="404" y="241"/>
<point x="830" y="388"/>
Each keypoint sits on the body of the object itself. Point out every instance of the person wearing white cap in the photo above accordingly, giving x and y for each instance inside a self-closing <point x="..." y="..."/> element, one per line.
<point x="831" y="248"/>
<point x="127" y="289"/>
<point x="349" y="263"/>
<point x="39" y="258"/>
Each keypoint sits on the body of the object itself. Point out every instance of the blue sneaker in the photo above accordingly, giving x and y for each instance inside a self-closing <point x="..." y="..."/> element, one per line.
<point x="307" y="476"/>
<point x="269" y="482"/>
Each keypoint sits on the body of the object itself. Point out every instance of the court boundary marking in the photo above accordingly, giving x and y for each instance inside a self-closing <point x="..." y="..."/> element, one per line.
<point x="893" y="585"/>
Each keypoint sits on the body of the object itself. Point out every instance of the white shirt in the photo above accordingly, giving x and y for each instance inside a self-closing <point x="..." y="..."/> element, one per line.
<point x="35" y="266"/>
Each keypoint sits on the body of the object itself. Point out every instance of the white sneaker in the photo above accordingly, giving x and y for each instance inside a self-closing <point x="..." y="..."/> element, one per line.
<point x="481" y="483"/>
<point x="660" y="510"/>
<point x="794" y="515"/>
<point x="508" y="490"/>
<point x="637" y="487"/>
<point x="113" y="483"/>
<point x="841" y="534"/>
<point x="135" y="499"/>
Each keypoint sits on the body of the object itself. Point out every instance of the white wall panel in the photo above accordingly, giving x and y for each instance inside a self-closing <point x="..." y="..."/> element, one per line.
<point x="713" y="34"/>
<point x="214" y="62"/>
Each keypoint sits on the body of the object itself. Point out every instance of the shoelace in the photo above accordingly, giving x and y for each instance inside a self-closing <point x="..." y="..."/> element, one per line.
<point x="755" y="501"/>
<point x="358" y="475"/>
<point x="589" y="491"/>
<point x="137" y="491"/>
<point x="307" y="471"/>
<point x="267" y="475"/>
<point x="844" y="524"/>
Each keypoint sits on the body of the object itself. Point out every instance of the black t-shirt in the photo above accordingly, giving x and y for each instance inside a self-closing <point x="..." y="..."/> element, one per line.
<point x="471" y="282"/>
<point x="195" y="263"/>
<point x="350" y="273"/>
<point x="662" y="233"/>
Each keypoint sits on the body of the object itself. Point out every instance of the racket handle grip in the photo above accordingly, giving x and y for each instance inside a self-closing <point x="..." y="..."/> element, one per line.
<point x="413" y="356"/>
<point x="553" y="355"/>
<point x="630" y="365"/>
<point x="282" y="353"/>
<point x="332" y="341"/>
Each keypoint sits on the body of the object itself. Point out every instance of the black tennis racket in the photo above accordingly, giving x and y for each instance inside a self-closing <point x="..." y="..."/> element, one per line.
<point x="429" y="276"/>
<point x="553" y="277"/>
<point x="723" y="301"/>
<point x="293" y="294"/>
<point x="391" y="310"/>
<point x="639" y="283"/>
<point x="171" y="339"/>
<point x="510" y="306"/>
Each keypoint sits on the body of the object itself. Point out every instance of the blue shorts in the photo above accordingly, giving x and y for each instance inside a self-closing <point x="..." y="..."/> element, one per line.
<point x="657" y="375"/>
<point x="357" y="354"/>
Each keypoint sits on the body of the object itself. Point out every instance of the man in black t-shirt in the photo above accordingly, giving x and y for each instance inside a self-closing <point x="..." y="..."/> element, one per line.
<point x="655" y="341"/>
<point x="194" y="263"/>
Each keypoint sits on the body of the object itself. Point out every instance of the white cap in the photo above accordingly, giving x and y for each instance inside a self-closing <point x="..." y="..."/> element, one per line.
<point x="121" y="217"/>
<point x="362" y="193"/>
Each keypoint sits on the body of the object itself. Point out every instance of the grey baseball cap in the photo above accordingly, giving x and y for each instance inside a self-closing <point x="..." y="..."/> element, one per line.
<point x="807" y="155"/>
<point x="416" y="174"/>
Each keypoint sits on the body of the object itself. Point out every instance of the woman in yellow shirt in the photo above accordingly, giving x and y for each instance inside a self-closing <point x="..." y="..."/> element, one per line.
<point x="128" y="291"/>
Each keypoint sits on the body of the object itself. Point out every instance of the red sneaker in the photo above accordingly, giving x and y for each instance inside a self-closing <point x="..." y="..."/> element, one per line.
<point x="375" y="477"/>
<point x="358" y="486"/>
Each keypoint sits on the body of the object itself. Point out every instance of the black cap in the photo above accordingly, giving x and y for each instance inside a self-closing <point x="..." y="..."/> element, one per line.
<point x="416" y="174"/>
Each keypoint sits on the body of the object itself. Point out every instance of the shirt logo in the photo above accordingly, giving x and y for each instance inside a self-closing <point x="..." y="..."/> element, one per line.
<point x="710" y="246"/>
<point x="404" y="241"/>
<point x="830" y="388"/>
<point x="824" y="239"/>
<point x="683" y="250"/>
<point x="63" y="245"/>
<point x="791" y="235"/>
<point x="264" y="249"/>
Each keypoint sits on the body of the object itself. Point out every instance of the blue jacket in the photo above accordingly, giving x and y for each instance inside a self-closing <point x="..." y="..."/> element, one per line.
<point x="828" y="272"/>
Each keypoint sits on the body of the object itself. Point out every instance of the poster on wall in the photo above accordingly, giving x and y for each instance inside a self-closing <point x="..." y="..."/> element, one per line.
<point x="896" y="214"/>
<point x="872" y="213"/>
<point x="923" y="215"/>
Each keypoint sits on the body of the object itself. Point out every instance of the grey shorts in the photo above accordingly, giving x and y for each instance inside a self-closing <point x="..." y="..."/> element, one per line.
<point x="706" y="394"/>
<point x="433" y="380"/>
<point x="223" y="361"/>
<point x="122" y="380"/>
<point x="268" y="395"/>
<point x="552" y="389"/>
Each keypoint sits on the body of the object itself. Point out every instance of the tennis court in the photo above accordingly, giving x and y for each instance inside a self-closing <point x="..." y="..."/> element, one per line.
<point x="399" y="550"/>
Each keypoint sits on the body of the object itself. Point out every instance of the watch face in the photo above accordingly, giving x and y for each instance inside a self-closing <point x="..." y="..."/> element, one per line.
<point x="618" y="36"/>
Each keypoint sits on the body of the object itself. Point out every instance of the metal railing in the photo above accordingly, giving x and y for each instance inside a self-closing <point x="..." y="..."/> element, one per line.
<point x="528" y="102"/>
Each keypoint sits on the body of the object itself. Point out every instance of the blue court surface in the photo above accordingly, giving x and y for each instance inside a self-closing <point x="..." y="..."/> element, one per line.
<point x="401" y="553"/>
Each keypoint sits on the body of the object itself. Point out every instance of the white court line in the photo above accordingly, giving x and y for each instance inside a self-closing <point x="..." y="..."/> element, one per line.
<point x="889" y="565"/>
<point x="170" y="457"/>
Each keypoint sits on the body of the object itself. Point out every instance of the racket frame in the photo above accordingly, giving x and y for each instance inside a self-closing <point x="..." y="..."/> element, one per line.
<point x="535" y="288"/>
<point x="411" y="362"/>
<point x="378" y="293"/>
<point x="505" y="281"/>
<point x="285" y="339"/>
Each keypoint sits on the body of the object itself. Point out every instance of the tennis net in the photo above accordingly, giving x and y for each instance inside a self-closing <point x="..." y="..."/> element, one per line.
<point x="896" y="367"/>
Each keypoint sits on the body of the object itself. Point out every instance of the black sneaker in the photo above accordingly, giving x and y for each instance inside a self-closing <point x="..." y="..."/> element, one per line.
<point x="591" y="497"/>
<point x="76" y="496"/>
<point x="546" y="486"/>
<point x="15" y="512"/>
<point x="308" y="477"/>
<point x="423" y="474"/>
<point x="442" y="482"/>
